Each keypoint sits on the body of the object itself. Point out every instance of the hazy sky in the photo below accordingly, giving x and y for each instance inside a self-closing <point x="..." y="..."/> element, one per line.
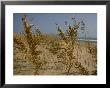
<point x="46" y="22"/>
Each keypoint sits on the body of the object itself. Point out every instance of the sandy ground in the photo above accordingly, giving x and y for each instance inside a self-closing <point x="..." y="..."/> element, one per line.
<point x="53" y="65"/>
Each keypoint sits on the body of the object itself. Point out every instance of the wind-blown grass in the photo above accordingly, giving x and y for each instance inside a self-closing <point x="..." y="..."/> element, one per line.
<point x="62" y="54"/>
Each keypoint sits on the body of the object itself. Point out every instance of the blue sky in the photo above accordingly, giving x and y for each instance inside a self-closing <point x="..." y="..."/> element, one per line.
<point x="46" y="22"/>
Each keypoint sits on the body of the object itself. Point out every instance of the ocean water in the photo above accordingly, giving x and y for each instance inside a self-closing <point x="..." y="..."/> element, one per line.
<point x="85" y="40"/>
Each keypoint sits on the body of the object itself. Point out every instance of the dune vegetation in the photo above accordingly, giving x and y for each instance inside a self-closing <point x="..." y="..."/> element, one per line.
<point x="62" y="54"/>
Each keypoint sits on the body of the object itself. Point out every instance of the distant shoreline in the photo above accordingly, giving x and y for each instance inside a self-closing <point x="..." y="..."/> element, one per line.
<point x="91" y="40"/>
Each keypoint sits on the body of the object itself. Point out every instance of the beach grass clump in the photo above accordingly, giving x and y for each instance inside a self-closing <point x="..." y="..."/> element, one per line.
<point x="92" y="49"/>
<point x="70" y="39"/>
<point x="32" y="45"/>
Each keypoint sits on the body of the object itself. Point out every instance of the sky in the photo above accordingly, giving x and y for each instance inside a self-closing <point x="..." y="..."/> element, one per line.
<point x="46" y="22"/>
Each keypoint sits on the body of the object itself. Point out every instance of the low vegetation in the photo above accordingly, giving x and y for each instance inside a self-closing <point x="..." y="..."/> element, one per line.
<point x="62" y="54"/>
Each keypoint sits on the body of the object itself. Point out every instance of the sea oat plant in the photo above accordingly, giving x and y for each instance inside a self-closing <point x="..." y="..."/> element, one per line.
<point x="70" y="40"/>
<point x="32" y="45"/>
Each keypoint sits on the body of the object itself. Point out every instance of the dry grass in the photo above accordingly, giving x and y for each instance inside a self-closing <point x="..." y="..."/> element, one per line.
<point x="92" y="49"/>
<point x="39" y="54"/>
<point x="70" y="39"/>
